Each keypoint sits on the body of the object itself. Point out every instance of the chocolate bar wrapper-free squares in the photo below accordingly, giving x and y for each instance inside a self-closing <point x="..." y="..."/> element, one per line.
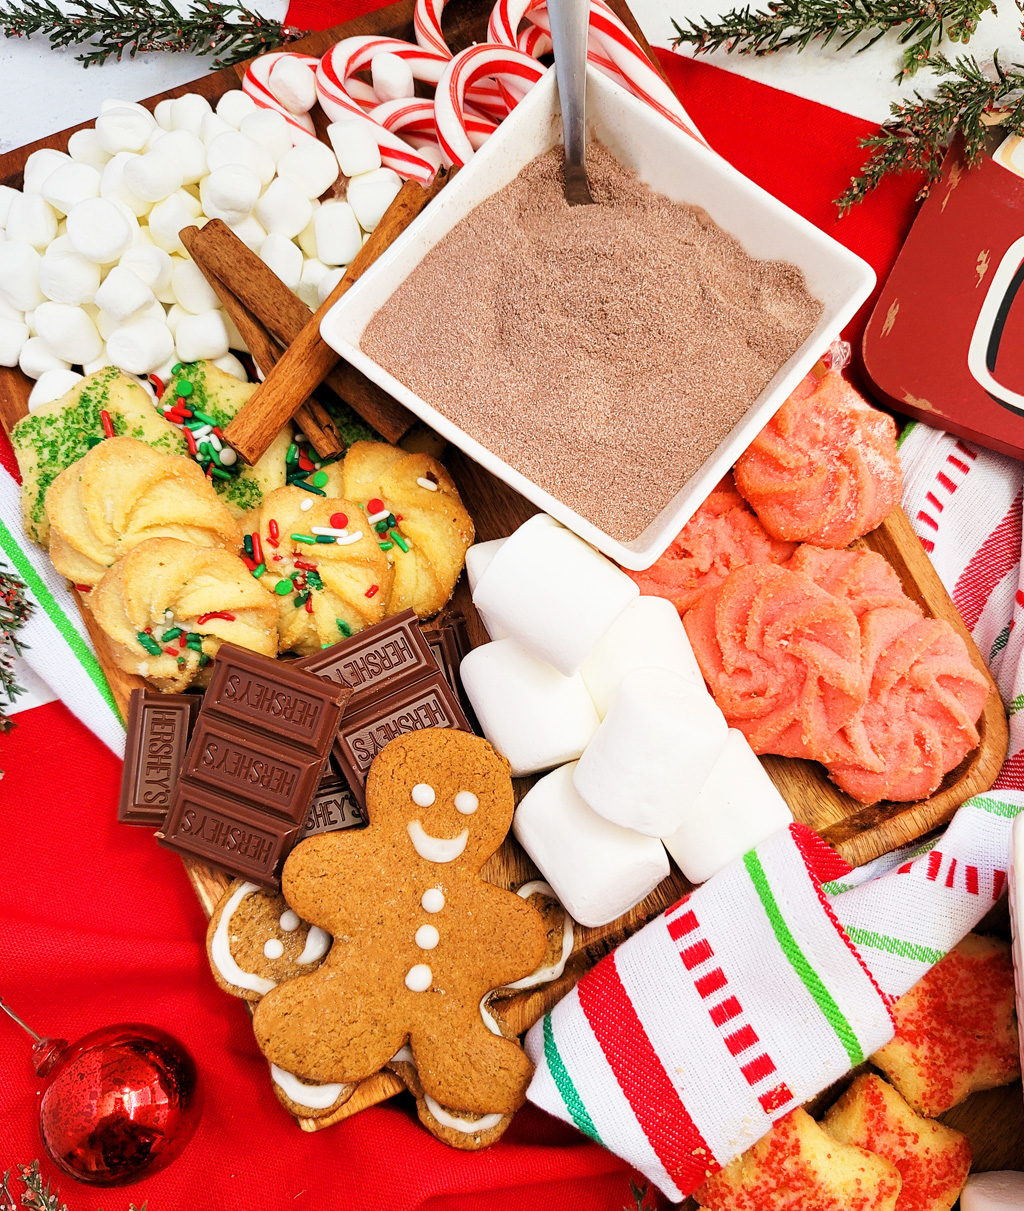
<point x="159" y="726"/>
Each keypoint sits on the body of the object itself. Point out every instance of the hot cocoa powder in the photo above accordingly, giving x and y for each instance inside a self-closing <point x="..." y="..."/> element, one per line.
<point x="603" y="351"/>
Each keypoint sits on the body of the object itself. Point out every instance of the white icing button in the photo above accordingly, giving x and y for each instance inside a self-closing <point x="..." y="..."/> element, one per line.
<point x="466" y="802"/>
<point x="418" y="978"/>
<point x="433" y="899"/>
<point x="289" y="921"/>
<point x="427" y="937"/>
<point x="423" y="794"/>
<point x="273" y="948"/>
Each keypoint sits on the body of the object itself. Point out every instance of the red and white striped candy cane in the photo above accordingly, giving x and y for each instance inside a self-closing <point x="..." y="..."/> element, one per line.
<point x="534" y="42"/>
<point x="510" y="66"/>
<point x="415" y="118"/>
<point x="426" y="21"/>
<point x="256" y="84"/>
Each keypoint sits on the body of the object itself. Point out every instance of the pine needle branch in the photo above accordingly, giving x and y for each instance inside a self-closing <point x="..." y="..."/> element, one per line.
<point x="14" y="611"/>
<point x="124" y="28"/>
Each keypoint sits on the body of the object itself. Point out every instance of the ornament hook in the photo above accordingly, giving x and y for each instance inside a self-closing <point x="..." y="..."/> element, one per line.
<point x="14" y="1017"/>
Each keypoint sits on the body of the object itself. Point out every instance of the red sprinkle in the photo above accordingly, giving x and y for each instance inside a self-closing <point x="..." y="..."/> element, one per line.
<point x="275" y="534"/>
<point x="84" y="588"/>
<point x="275" y="545"/>
<point x="339" y="521"/>
<point x="182" y="639"/>
<point x="158" y="384"/>
<point x="277" y="558"/>
<point x="374" y="587"/>
<point x="398" y="517"/>
<point x="309" y="605"/>
<point x="218" y="431"/>
<point x="209" y="471"/>
<point x="375" y="505"/>
<point x="249" y="563"/>
<point x="190" y="441"/>
<point x="257" y="548"/>
<point x="203" y="618"/>
<point x="148" y="630"/>
<point x="306" y="567"/>
<point x="108" y="424"/>
<point x="170" y="651"/>
<point x="304" y="463"/>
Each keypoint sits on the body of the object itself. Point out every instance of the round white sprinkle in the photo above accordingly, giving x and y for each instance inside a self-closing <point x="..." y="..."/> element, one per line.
<point x="289" y="920"/>
<point x="466" y="802"/>
<point x="273" y="948"/>
<point x="427" y="937"/>
<point x="228" y="457"/>
<point x="306" y="505"/>
<point x="418" y="978"/>
<point x="423" y="794"/>
<point x="433" y="899"/>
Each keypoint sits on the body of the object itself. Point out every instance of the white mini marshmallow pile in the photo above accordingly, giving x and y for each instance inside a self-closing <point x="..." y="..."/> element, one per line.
<point x="92" y="270"/>
<point x="586" y="678"/>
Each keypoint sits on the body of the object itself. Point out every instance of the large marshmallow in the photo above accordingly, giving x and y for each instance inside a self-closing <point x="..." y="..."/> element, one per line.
<point x="13" y="335"/>
<point x="738" y="807"/>
<point x="124" y="128"/>
<point x="7" y="196"/>
<point x="306" y="239"/>
<point x="200" y="337"/>
<point x="70" y="184"/>
<point x="283" y="208"/>
<point x="114" y="188"/>
<point x="36" y="358"/>
<point x="652" y="753"/>
<point x="371" y="193"/>
<point x="598" y="870"/>
<point x="162" y="113"/>
<point x="231" y="365"/>
<point x="311" y="165"/>
<point x="251" y="232"/>
<point x="338" y="237"/>
<point x="234" y="105"/>
<point x="65" y="276"/>
<point x="140" y="348"/>
<point x="69" y="332"/>
<point x="293" y="83"/>
<point x="312" y="273"/>
<point x="327" y="284"/>
<point x="32" y="219"/>
<point x="214" y="125"/>
<point x="187" y="113"/>
<point x="284" y="258"/>
<point x="391" y="77"/>
<point x="647" y="634"/>
<point x="84" y="147"/>
<point x="534" y="717"/>
<point x="99" y="230"/>
<point x="52" y="385"/>
<point x="478" y="559"/>
<point x="187" y="151"/>
<point x="123" y="295"/>
<point x="230" y="193"/>
<point x="169" y="217"/>
<point x="553" y="593"/>
<point x="149" y="263"/>
<point x="38" y="167"/>
<point x="270" y="129"/>
<point x="191" y="289"/>
<point x="19" y="275"/>
<point x="153" y="176"/>
<point x="233" y="147"/>
<point x="355" y="145"/>
<point x="1000" y="1191"/>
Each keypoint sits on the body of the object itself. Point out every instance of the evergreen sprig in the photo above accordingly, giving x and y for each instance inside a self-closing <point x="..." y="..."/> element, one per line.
<point x="798" y="23"/>
<point x="15" y="608"/>
<point x="119" y="28"/>
<point x="970" y="99"/>
<point x="37" y="1195"/>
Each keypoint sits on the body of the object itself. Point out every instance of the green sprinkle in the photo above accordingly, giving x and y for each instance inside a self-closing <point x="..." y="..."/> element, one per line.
<point x="148" y="642"/>
<point x="319" y="480"/>
<point x="381" y="527"/>
<point x="259" y="569"/>
<point x="385" y="546"/>
<point x="177" y="368"/>
<point x="206" y="448"/>
<point x="204" y="660"/>
<point x="181" y="662"/>
<point x="306" y="538"/>
<point x="301" y="600"/>
<point x="173" y="633"/>
<point x="93" y="441"/>
<point x="345" y="629"/>
<point x="283" y="587"/>
<point x="185" y="388"/>
<point x="247" y="543"/>
<point x="202" y="416"/>
<point x="220" y="473"/>
<point x="293" y="454"/>
<point x="301" y="483"/>
<point x="399" y="539"/>
<point x="314" y="581"/>
<point x="194" y="641"/>
<point x="326" y="539"/>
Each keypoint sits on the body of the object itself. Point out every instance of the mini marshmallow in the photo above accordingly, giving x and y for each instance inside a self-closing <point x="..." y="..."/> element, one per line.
<point x="123" y="295"/>
<point x="355" y="145"/>
<point x="65" y="276"/>
<point x="187" y="151"/>
<point x="231" y="365"/>
<point x="153" y="176"/>
<point x="553" y="593"/>
<point x="213" y="125"/>
<point x="391" y="77"/>
<point x="235" y="340"/>
<point x="327" y="283"/>
<point x="168" y="218"/>
<point x="99" y="231"/>
<point x="7" y="196"/>
<point x="371" y="193"/>
<point x="70" y="184"/>
<point x="338" y="238"/>
<point x="1001" y="1191"/>
<point x="187" y="113"/>
<point x="113" y="186"/>
<point x="306" y="239"/>
<point x="150" y="264"/>
<point x="13" y="335"/>
<point x="283" y="257"/>
<point x="598" y="870"/>
<point x="478" y="559"/>
<point x="234" y="105"/>
<point x="38" y="167"/>
<point x="738" y="807"/>
<point x="534" y="717"/>
<point x="19" y="275"/>
<point x="52" y="385"/>
<point x="175" y="314"/>
<point x="233" y="147"/>
<point x="119" y="103"/>
<point x="69" y="332"/>
<point x="648" y="633"/>
<point x="312" y="274"/>
<point x="141" y="347"/>
<point x="201" y="337"/>
<point x="191" y="289"/>
<point x="653" y="752"/>
<point x="32" y="219"/>
<point x="84" y="147"/>
<point x="7" y="312"/>
<point x="230" y="193"/>
<point x="293" y="83"/>
<point x="36" y="358"/>
<point x="284" y="208"/>
<point x="251" y="232"/>
<point x="268" y="128"/>
<point x="311" y="165"/>
<point x="124" y="128"/>
<point x="162" y="113"/>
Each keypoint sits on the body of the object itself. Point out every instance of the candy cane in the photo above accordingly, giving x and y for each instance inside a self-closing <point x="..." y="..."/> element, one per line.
<point x="487" y="59"/>
<point x="426" y="21"/>
<point x="534" y="42"/>
<point x="414" y="117"/>
<point x="256" y="84"/>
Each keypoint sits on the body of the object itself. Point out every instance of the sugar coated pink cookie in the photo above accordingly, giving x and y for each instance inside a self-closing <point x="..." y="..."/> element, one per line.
<point x="824" y="469"/>
<point x="865" y="580"/>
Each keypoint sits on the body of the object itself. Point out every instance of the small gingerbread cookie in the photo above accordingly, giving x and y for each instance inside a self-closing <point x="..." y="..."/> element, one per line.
<point x="420" y="938"/>
<point x="255" y="942"/>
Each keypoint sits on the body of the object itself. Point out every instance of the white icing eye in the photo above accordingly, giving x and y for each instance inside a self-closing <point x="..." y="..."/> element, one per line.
<point x="427" y="937"/>
<point x="418" y="978"/>
<point x="466" y="802"/>
<point x="423" y="794"/>
<point x="289" y="920"/>
<point x="273" y="948"/>
<point x="433" y="899"/>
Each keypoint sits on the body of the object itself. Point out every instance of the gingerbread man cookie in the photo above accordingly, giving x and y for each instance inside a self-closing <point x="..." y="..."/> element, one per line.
<point x="419" y="937"/>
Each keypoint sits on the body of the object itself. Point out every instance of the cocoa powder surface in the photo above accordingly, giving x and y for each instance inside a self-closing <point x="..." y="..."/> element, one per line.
<point x="603" y="351"/>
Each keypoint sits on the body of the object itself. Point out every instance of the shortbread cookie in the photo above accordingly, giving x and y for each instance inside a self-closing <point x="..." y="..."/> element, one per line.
<point x="420" y="938"/>
<point x="933" y="1160"/>
<point x="956" y="1029"/>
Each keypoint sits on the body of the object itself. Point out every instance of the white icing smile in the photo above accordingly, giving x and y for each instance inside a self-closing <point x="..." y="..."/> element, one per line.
<point x="436" y="849"/>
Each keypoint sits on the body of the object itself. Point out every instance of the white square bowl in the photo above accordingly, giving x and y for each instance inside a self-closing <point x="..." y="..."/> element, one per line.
<point x="671" y="163"/>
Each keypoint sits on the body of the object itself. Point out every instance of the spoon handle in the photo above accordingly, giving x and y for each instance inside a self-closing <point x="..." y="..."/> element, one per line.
<point x="570" y="27"/>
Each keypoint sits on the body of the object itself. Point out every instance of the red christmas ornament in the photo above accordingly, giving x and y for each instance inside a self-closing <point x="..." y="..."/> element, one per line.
<point x="118" y="1105"/>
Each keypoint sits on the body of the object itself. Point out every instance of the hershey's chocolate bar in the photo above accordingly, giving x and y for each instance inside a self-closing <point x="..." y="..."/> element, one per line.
<point x="159" y="726"/>
<point x="333" y="808"/>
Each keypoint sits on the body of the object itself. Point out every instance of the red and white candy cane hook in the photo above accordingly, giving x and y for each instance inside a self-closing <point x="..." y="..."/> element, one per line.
<point x="510" y="66"/>
<point x="256" y="84"/>
<point x="426" y="21"/>
<point x="414" y="117"/>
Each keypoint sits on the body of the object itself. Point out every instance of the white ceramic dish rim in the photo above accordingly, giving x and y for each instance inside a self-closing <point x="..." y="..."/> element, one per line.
<point x="500" y="159"/>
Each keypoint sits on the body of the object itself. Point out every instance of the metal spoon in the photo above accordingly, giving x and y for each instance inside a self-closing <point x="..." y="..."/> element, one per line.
<point x="570" y="26"/>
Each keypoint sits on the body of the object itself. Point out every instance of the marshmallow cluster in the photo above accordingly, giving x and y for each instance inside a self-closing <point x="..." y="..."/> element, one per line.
<point x="92" y="268"/>
<point x="588" y="679"/>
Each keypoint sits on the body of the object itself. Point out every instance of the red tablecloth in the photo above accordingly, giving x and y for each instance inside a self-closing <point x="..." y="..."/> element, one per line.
<point x="99" y="925"/>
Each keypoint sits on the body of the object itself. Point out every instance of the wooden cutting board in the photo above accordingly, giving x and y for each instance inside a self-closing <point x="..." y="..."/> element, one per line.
<point x="859" y="833"/>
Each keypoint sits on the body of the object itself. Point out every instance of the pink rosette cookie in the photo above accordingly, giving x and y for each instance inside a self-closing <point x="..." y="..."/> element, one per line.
<point x="782" y="658"/>
<point x="865" y="580"/>
<point x="824" y="469"/>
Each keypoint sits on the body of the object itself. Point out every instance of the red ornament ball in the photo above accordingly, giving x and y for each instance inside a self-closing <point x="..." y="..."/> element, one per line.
<point x="118" y="1105"/>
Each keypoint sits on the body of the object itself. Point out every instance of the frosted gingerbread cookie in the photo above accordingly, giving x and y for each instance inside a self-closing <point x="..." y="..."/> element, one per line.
<point x="419" y="938"/>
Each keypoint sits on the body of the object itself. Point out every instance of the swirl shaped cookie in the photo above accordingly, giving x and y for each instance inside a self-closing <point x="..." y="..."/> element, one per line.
<point x="824" y="470"/>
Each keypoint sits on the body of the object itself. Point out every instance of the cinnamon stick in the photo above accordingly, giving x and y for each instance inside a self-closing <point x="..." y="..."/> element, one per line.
<point x="308" y="359"/>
